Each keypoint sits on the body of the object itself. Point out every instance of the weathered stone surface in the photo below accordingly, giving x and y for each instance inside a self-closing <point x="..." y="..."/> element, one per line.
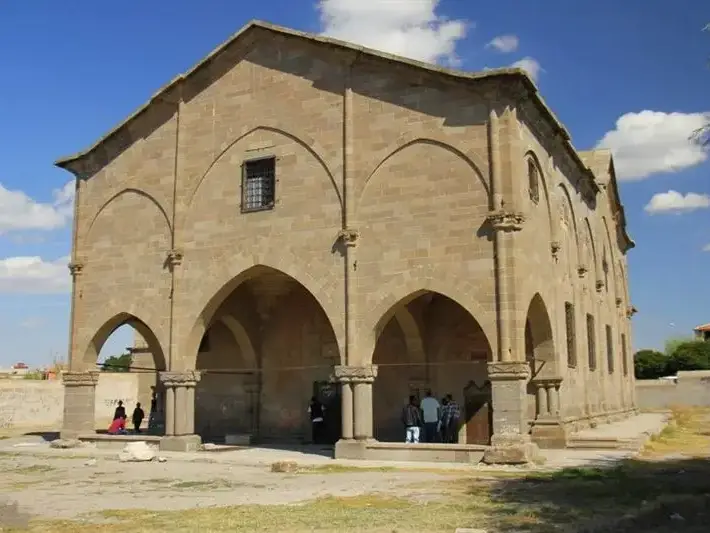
<point x="422" y="224"/>
<point x="66" y="443"/>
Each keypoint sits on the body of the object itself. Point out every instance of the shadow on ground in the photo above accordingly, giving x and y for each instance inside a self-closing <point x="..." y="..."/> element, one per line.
<point x="47" y="436"/>
<point x="634" y="496"/>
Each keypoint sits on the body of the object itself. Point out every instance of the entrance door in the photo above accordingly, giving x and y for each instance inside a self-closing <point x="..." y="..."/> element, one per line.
<point x="329" y="395"/>
<point x="478" y="414"/>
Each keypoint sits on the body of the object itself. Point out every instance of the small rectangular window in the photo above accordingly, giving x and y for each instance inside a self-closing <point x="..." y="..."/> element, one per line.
<point x="258" y="184"/>
<point x="591" y="343"/>
<point x="624" y="356"/>
<point x="609" y="350"/>
<point x="571" y="335"/>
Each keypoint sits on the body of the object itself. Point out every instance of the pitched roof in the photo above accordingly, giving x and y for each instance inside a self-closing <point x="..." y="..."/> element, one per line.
<point x="601" y="163"/>
<point x="702" y="327"/>
<point x="256" y="25"/>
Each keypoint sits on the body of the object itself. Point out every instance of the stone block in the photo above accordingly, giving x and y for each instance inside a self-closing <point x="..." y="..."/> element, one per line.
<point x="182" y="443"/>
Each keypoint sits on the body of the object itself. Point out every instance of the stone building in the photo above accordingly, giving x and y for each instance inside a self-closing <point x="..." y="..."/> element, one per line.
<point x="299" y="215"/>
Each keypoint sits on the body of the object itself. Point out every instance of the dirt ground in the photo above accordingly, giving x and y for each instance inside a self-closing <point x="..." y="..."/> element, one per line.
<point x="666" y="488"/>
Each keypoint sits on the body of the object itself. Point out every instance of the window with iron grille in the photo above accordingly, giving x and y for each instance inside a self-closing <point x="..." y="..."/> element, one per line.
<point x="591" y="343"/>
<point x="571" y="335"/>
<point x="624" y="356"/>
<point x="258" y="184"/>
<point x="609" y="350"/>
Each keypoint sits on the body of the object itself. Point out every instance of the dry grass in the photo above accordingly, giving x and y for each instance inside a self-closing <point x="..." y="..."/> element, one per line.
<point x="646" y="494"/>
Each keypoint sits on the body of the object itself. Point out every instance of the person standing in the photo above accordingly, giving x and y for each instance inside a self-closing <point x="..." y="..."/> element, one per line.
<point x="431" y="411"/>
<point x="120" y="411"/>
<point x="317" y="412"/>
<point x="137" y="418"/>
<point x="412" y="420"/>
<point x="451" y="418"/>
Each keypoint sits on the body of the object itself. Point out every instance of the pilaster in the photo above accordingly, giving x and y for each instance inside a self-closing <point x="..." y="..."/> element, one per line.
<point x="79" y="403"/>
<point x="510" y="443"/>
<point x="180" y="411"/>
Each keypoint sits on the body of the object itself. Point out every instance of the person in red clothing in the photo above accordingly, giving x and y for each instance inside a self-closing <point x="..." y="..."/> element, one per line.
<point x="118" y="426"/>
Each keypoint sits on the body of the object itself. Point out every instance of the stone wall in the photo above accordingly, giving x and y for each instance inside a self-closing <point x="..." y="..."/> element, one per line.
<point x="33" y="404"/>
<point x="691" y="388"/>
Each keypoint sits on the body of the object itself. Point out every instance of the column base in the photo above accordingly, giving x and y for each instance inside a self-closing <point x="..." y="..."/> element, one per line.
<point x="350" y="449"/>
<point x="549" y="434"/>
<point x="182" y="443"/>
<point x="512" y="450"/>
<point x="70" y="434"/>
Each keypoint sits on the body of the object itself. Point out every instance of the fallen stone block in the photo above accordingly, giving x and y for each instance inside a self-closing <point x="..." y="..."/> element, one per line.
<point x="284" y="466"/>
<point x="137" y="452"/>
<point x="66" y="443"/>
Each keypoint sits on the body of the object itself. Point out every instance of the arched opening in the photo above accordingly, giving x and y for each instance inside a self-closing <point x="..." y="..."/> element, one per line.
<point x="129" y="358"/>
<point x="451" y="359"/>
<point x="539" y="351"/>
<point x="267" y="346"/>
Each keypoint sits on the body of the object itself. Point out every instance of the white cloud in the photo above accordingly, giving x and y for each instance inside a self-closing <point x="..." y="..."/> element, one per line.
<point x="504" y="43"/>
<point x="675" y="202"/>
<point x="706" y="248"/>
<point x="33" y="275"/>
<point x="530" y="65"/>
<point x="650" y="142"/>
<point x="410" y="28"/>
<point x="20" y="212"/>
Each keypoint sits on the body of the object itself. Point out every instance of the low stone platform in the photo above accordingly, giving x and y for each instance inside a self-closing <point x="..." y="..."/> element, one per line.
<point x="399" y="451"/>
<point x="631" y="434"/>
<point x="117" y="442"/>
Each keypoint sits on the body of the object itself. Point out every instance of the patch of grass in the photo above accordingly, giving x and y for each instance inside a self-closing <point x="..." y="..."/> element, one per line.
<point x="687" y="433"/>
<point x="32" y="469"/>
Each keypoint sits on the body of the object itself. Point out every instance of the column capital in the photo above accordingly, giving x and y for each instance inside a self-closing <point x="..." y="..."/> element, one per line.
<point x="76" y="268"/>
<point x="174" y="257"/>
<point x="548" y="382"/>
<point x="508" y="370"/>
<point x="354" y="374"/>
<point x="80" y="379"/>
<point x="506" y="220"/>
<point x="180" y="379"/>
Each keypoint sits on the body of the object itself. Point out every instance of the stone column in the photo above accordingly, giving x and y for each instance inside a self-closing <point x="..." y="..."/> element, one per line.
<point x="180" y="411"/>
<point x="510" y="443"/>
<point x="357" y="413"/>
<point x="548" y="430"/>
<point x="79" y="403"/>
<point x="542" y="403"/>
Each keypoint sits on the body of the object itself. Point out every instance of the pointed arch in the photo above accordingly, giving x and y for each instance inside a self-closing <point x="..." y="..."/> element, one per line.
<point x="594" y="259"/>
<point x="533" y="162"/>
<point x="242" y="339"/>
<point x="539" y="334"/>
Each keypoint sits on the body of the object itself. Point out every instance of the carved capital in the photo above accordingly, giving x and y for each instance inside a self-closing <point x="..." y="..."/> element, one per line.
<point x="631" y="311"/>
<point x="174" y="258"/>
<point x="80" y="379"/>
<point x="555" y="248"/>
<point x="76" y="268"/>
<point x="619" y="301"/>
<point x="180" y="379"/>
<point x="506" y="220"/>
<point x="508" y="370"/>
<point x="599" y="285"/>
<point x="354" y="374"/>
<point x="552" y="382"/>
<point x="349" y="236"/>
<point x="582" y="271"/>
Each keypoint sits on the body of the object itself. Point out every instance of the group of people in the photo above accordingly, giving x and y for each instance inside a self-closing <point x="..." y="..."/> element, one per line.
<point x="438" y="421"/>
<point x="118" y="426"/>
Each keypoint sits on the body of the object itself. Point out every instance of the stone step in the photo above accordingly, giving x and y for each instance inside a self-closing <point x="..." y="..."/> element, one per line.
<point x="601" y="443"/>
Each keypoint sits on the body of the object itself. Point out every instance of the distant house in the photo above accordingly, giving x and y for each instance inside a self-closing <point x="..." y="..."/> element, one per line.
<point x="702" y="332"/>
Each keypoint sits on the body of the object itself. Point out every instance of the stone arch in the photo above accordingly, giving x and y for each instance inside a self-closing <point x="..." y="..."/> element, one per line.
<point x="594" y="260"/>
<point x="241" y="337"/>
<point x="223" y="286"/>
<point x="127" y="191"/>
<point x="412" y="333"/>
<point x="309" y="144"/>
<point x="90" y="353"/>
<point x="403" y="290"/>
<point x="540" y="344"/>
<point x="408" y="141"/>
<point x="533" y="164"/>
<point x="610" y="261"/>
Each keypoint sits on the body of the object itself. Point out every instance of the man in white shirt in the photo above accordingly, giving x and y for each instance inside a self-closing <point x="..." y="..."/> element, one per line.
<point x="432" y="414"/>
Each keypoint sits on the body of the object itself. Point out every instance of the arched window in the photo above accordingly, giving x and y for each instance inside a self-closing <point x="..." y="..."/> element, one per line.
<point x="533" y="181"/>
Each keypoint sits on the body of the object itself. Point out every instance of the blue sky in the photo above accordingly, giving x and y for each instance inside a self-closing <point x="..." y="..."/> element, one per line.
<point x="633" y="74"/>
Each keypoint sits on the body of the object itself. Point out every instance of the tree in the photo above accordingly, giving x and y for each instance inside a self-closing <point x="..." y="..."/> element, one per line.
<point x="670" y="346"/>
<point x="650" y="364"/>
<point x="118" y="363"/>
<point x="691" y="355"/>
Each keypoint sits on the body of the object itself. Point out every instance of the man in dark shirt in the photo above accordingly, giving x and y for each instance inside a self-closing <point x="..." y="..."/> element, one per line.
<point x="120" y="411"/>
<point x="138" y="416"/>
<point x="450" y="420"/>
<point x="412" y="420"/>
